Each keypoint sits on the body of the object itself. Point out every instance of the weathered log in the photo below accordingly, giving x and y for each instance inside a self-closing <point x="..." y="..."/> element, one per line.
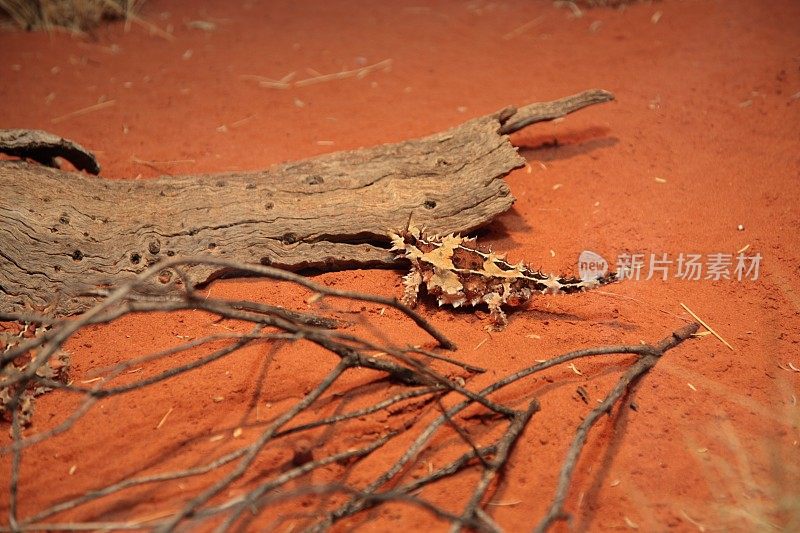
<point x="44" y="148"/>
<point x="64" y="234"/>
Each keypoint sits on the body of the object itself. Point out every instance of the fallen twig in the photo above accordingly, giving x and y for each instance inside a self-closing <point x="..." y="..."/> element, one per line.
<point x="641" y="367"/>
<point x="84" y="111"/>
<point x="228" y="495"/>
<point x="709" y="328"/>
<point x="357" y="73"/>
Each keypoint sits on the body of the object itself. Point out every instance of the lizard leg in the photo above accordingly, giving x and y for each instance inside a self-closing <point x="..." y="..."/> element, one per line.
<point x="496" y="313"/>
<point x="411" y="283"/>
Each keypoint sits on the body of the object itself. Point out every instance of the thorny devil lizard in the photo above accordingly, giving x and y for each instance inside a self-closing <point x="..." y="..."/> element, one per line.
<point x="459" y="272"/>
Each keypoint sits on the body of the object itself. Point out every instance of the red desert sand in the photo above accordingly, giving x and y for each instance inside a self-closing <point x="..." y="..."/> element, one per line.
<point x="698" y="154"/>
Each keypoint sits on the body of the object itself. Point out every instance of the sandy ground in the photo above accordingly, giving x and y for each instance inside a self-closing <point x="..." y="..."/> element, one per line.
<point x="699" y="154"/>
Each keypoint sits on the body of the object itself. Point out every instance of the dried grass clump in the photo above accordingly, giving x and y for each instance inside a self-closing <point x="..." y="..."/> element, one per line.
<point x="73" y="15"/>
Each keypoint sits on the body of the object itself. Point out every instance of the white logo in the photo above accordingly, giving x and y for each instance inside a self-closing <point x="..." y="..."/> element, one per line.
<point x="591" y="266"/>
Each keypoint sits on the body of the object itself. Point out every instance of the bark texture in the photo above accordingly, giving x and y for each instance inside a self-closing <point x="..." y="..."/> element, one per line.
<point x="63" y="235"/>
<point x="44" y="147"/>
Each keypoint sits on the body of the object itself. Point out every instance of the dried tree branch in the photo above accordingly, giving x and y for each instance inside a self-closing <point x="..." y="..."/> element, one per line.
<point x="209" y="506"/>
<point x="504" y="446"/>
<point x="251" y="499"/>
<point x="634" y="373"/>
<point x="356" y="505"/>
<point x="252" y="451"/>
<point x="543" y="112"/>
